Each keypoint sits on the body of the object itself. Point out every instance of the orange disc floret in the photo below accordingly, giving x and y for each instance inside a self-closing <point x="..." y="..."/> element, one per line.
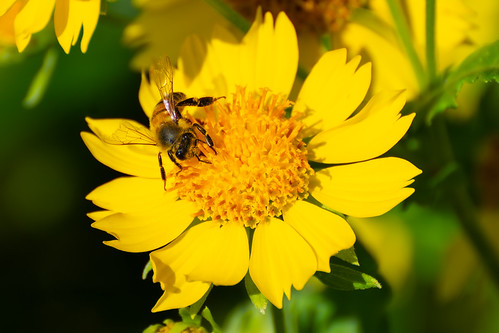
<point x="260" y="166"/>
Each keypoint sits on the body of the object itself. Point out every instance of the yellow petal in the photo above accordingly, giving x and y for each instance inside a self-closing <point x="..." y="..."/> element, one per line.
<point x="89" y="17"/>
<point x="325" y="232"/>
<point x="280" y="257"/>
<point x="332" y="91"/>
<point x="207" y="70"/>
<point x="5" y="5"/>
<point x="134" y="160"/>
<point x="129" y="194"/>
<point x="63" y="25"/>
<point x="146" y="231"/>
<point x="7" y="18"/>
<point x="370" y="133"/>
<point x="120" y="131"/>
<point x="364" y="189"/>
<point x="190" y="62"/>
<point x="148" y="95"/>
<point x="269" y="57"/>
<point x="32" y="18"/>
<point x="181" y="295"/>
<point x="208" y="252"/>
<point x="178" y="291"/>
<point x="70" y="16"/>
<point x="392" y="69"/>
<point x="99" y="215"/>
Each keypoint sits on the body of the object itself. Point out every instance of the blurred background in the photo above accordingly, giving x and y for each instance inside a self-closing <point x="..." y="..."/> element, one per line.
<point x="57" y="276"/>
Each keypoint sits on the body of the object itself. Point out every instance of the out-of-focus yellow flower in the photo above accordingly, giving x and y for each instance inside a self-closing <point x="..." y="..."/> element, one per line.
<point x="20" y="19"/>
<point x="163" y="25"/>
<point x="259" y="181"/>
<point x="460" y="27"/>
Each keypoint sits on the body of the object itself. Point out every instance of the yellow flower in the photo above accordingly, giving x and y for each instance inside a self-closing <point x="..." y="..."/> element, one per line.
<point x="260" y="182"/>
<point x="26" y="17"/>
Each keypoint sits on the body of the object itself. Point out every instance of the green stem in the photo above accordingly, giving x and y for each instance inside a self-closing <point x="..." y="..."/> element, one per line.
<point x="230" y="14"/>
<point x="42" y="79"/>
<point x="278" y="319"/>
<point x="405" y="36"/>
<point x="464" y="207"/>
<point x="430" y="39"/>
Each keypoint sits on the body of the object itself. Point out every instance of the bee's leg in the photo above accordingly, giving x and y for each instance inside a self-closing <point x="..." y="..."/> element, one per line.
<point x="207" y="137"/>
<point x="174" y="160"/>
<point x="178" y="96"/>
<point x="162" y="170"/>
<point x="202" y="101"/>
<point x="200" y="160"/>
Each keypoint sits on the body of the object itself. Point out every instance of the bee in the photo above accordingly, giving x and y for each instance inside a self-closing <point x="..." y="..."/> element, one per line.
<point x="171" y="132"/>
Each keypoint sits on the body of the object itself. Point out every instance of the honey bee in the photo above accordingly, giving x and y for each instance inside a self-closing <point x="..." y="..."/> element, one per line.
<point x="171" y="132"/>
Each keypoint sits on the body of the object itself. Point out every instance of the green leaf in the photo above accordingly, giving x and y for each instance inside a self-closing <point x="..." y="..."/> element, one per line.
<point x="482" y="65"/>
<point x="343" y="277"/>
<point x="256" y="297"/>
<point x="348" y="256"/>
<point x="208" y="316"/>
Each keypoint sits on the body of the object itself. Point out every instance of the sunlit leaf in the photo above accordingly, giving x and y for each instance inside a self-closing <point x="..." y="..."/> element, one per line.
<point x="482" y="65"/>
<point x="343" y="277"/>
<point x="208" y="316"/>
<point x="255" y="295"/>
<point x="349" y="256"/>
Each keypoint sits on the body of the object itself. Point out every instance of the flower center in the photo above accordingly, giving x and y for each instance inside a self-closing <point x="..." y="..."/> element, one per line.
<point x="319" y="16"/>
<point x="260" y="166"/>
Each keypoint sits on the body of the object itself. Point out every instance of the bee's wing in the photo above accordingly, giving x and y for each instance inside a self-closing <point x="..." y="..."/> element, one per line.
<point x="129" y="133"/>
<point x="161" y="72"/>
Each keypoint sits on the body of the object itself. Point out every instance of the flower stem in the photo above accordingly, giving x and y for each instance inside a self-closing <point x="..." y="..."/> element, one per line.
<point x="469" y="222"/>
<point x="278" y="319"/>
<point x="42" y="79"/>
<point x="430" y="39"/>
<point x="230" y="14"/>
<point x="405" y="36"/>
<point x="464" y="207"/>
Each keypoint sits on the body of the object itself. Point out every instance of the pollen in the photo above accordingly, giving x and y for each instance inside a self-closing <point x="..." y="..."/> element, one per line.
<point x="318" y="16"/>
<point x="260" y="165"/>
